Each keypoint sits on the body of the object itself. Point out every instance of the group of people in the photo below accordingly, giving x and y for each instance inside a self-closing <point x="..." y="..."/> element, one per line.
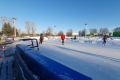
<point x="42" y="38"/>
<point x="62" y="36"/>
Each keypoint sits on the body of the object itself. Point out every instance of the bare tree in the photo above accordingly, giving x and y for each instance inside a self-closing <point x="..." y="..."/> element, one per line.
<point x="33" y="29"/>
<point x="80" y="33"/>
<point x="93" y="31"/>
<point x="19" y="32"/>
<point x="117" y="29"/>
<point x="59" y="33"/>
<point x="30" y="27"/>
<point x="49" y="31"/>
<point x="103" y="31"/>
<point x="27" y="26"/>
<point x="69" y="32"/>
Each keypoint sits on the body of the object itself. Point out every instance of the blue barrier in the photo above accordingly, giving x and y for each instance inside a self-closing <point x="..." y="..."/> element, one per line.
<point x="45" y="68"/>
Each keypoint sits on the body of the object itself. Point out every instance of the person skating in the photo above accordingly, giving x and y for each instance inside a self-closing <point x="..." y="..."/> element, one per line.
<point x="62" y="38"/>
<point x="41" y="38"/>
<point x="104" y="39"/>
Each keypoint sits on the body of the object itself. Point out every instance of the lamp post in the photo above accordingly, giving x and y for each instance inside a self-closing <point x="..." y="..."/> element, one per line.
<point x="85" y="29"/>
<point x="14" y="19"/>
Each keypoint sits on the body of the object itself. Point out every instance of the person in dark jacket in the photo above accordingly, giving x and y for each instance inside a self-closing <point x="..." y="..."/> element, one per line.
<point x="62" y="38"/>
<point x="41" y="38"/>
<point x="104" y="39"/>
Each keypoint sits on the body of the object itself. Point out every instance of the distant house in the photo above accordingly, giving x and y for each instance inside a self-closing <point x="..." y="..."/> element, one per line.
<point x="75" y="34"/>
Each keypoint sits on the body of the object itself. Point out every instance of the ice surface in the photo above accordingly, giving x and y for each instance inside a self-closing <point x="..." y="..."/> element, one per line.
<point x="87" y="56"/>
<point x="94" y="60"/>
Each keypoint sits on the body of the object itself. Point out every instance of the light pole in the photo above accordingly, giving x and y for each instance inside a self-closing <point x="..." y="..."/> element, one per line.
<point x="14" y="19"/>
<point x="85" y="29"/>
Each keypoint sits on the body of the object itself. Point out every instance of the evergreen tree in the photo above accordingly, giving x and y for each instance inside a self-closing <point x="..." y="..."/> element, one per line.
<point x="7" y="29"/>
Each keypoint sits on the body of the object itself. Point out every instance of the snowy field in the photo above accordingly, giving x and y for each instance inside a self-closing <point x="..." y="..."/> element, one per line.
<point x="87" y="56"/>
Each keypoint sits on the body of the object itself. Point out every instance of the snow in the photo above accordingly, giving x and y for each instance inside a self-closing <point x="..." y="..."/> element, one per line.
<point x="86" y="55"/>
<point x="38" y="37"/>
<point x="94" y="67"/>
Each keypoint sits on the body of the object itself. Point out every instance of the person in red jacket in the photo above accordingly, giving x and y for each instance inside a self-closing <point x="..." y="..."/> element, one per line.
<point x="62" y="38"/>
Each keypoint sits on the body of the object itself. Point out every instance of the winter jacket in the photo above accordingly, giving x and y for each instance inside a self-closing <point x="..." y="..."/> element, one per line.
<point x="62" y="36"/>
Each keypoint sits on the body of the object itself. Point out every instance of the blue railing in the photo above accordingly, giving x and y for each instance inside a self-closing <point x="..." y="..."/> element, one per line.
<point x="45" y="68"/>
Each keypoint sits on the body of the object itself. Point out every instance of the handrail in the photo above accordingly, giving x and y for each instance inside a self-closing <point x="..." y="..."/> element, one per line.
<point x="32" y="42"/>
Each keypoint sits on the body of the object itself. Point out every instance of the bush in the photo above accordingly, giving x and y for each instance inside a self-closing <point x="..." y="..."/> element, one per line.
<point x="116" y="34"/>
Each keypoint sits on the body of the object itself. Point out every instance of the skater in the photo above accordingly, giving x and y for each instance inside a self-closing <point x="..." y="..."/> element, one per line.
<point x="41" y="38"/>
<point x="104" y="39"/>
<point x="62" y="38"/>
<point x="75" y="37"/>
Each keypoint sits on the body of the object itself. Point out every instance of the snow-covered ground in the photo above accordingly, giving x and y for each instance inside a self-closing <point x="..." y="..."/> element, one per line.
<point x="87" y="56"/>
<point x="94" y="60"/>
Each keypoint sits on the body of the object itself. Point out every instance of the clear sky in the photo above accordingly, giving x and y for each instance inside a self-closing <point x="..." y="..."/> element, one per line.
<point x="64" y="14"/>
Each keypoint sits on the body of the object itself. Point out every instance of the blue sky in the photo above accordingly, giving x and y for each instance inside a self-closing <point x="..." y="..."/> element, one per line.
<point x="64" y="14"/>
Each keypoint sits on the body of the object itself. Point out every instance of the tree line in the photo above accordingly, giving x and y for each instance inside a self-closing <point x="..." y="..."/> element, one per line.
<point x="95" y="32"/>
<point x="30" y="27"/>
<point x="7" y="30"/>
<point x="87" y="32"/>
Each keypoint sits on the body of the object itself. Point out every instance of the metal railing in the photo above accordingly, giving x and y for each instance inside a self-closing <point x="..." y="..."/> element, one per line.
<point x="32" y="45"/>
